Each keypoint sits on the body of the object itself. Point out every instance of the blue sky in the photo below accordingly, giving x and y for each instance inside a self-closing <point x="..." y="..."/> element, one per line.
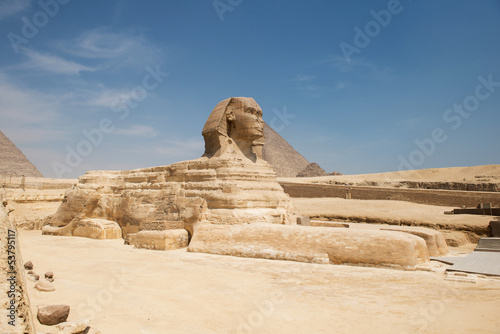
<point x="356" y="86"/>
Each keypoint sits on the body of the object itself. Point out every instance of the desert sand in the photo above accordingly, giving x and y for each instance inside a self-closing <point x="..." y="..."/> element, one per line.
<point x="127" y="290"/>
<point x="474" y="174"/>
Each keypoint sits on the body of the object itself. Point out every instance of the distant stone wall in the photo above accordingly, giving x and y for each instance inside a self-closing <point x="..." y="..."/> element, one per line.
<point x="422" y="196"/>
<point x="19" y="182"/>
<point x="482" y="186"/>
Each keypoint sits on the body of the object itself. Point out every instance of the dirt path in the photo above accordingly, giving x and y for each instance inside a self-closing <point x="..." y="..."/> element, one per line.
<point x="126" y="290"/>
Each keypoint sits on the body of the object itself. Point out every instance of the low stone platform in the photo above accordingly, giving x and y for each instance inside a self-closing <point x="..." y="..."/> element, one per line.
<point x="312" y="244"/>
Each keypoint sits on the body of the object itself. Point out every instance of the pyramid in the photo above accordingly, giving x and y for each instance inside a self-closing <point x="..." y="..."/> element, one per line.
<point x="312" y="170"/>
<point x="13" y="161"/>
<point x="287" y="162"/>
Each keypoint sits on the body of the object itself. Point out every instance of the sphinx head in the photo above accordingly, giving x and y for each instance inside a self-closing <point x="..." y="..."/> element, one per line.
<point x="235" y="127"/>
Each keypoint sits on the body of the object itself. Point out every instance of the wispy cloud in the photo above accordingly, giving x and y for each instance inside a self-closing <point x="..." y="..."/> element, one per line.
<point x="186" y="148"/>
<point x="307" y="84"/>
<point x="129" y="47"/>
<point x="103" y="97"/>
<point x="37" y="134"/>
<point x="303" y="78"/>
<point x="138" y="131"/>
<point x="166" y="151"/>
<point x="11" y="7"/>
<point x="23" y="106"/>
<point x="360" y="67"/>
<point x="43" y="158"/>
<point x="52" y="63"/>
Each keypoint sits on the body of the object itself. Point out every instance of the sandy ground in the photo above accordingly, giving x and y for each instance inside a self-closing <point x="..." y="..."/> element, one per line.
<point x="393" y="212"/>
<point x="475" y="174"/>
<point x="126" y="290"/>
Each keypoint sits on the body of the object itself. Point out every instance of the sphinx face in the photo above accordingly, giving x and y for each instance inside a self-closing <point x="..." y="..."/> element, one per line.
<point x="247" y="124"/>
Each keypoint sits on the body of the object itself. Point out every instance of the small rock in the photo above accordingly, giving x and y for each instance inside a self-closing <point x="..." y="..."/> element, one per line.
<point x="52" y="314"/>
<point x="49" y="274"/>
<point x="45" y="286"/>
<point x="31" y="272"/>
<point x="74" y="327"/>
<point x="28" y="265"/>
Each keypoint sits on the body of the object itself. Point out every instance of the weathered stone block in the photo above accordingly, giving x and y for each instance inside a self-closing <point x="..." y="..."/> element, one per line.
<point x="495" y="228"/>
<point x="160" y="240"/>
<point x="304" y="221"/>
<point x="97" y="229"/>
<point x="162" y="225"/>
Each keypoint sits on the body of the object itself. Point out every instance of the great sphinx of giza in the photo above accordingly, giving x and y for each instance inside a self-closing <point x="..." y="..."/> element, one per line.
<point x="229" y="184"/>
<point x="226" y="202"/>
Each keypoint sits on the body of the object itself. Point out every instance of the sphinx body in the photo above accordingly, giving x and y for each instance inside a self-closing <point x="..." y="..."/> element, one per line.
<point x="229" y="184"/>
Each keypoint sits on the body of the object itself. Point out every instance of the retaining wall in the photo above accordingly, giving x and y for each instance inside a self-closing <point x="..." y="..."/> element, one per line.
<point x="453" y="198"/>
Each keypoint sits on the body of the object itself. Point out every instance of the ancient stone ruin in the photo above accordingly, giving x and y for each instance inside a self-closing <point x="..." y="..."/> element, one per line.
<point x="227" y="202"/>
<point x="229" y="184"/>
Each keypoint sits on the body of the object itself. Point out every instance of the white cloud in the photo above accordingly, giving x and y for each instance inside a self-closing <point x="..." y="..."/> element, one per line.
<point x="11" y="7"/>
<point x="138" y="131"/>
<point x="307" y="84"/>
<point x="129" y="48"/>
<point x="361" y="67"/>
<point x="51" y="63"/>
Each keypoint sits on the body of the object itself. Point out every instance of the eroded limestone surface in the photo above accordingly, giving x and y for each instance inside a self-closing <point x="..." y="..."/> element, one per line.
<point x="312" y="244"/>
